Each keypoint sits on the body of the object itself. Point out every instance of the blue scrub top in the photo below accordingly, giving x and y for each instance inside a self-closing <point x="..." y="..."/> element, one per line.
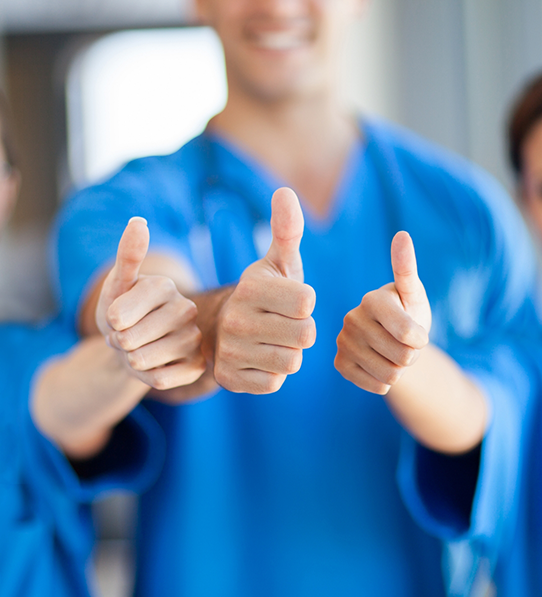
<point x="315" y="490"/>
<point x="46" y="532"/>
<point x="518" y="572"/>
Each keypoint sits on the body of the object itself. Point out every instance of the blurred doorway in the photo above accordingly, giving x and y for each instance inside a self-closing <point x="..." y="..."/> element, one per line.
<point x="137" y="93"/>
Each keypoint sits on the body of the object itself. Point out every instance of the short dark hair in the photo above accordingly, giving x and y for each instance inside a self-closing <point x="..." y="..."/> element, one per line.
<point x="6" y="132"/>
<point x="525" y="114"/>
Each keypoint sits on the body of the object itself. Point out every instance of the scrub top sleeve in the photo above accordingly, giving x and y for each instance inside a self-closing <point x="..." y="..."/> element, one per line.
<point x="473" y="497"/>
<point x="131" y="461"/>
<point x="86" y="234"/>
<point x="84" y="243"/>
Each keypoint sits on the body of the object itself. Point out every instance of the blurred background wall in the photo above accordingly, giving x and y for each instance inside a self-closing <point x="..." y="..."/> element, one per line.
<point x="446" y="69"/>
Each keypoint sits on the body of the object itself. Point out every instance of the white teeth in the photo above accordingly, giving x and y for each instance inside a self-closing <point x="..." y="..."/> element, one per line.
<point x="279" y="41"/>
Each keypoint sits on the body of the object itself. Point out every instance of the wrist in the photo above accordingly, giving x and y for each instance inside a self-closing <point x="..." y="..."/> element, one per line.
<point x="439" y="404"/>
<point x="199" y="390"/>
<point x="210" y="305"/>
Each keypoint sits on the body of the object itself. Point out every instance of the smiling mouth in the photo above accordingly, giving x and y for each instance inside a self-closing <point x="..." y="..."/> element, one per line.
<point x="280" y="40"/>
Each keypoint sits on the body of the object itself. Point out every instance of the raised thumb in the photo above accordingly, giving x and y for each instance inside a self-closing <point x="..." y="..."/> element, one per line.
<point x="132" y="250"/>
<point x="405" y="270"/>
<point x="287" y="231"/>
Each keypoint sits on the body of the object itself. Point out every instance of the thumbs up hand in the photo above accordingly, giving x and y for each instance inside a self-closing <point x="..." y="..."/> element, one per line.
<point x="152" y="326"/>
<point x="386" y="332"/>
<point x="266" y="322"/>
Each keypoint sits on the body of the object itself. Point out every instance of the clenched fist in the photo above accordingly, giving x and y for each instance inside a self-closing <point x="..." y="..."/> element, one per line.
<point x="266" y="323"/>
<point x="386" y="332"/>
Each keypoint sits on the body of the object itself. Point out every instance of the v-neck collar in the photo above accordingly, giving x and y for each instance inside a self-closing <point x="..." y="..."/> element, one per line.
<point x="234" y="167"/>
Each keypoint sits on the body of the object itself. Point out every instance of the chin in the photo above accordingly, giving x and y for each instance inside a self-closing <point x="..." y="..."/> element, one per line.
<point x="279" y="87"/>
<point x="276" y="76"/>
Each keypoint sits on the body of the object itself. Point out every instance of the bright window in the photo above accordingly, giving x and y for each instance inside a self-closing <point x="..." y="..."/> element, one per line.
<point x="138" y="93"/>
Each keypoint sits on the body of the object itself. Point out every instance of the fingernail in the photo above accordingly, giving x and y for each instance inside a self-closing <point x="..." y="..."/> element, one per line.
<point x="108" y="341"/>
<point x="138" y="219"/>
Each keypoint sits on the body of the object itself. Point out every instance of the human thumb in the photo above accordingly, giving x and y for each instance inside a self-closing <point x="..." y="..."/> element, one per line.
<point x="131" y="252"/>
<point x="405" y="272"/>
<point x="287" y="231"/>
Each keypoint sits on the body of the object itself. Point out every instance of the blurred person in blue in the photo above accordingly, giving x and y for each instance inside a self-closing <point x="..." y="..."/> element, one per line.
<point x="47" y="481"/>
<point x="322" y="488"/>
<point x="518" y="569"/>
<point x="33" y="561"/>
<point x="525" y="151"/>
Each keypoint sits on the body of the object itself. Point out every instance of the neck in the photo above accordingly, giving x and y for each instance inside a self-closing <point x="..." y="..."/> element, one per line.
<point x="303" y="141"/>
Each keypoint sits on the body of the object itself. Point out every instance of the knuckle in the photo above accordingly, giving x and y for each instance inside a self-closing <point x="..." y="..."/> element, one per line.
<point x="148" y="283"/>
<point x="306" y="300"/>
<point x="293" y="362"/>
<point x="342" y="341"/>
<point x="234" y="323"/>
<point x="229" y="322"/>
<point x="160" y="380"/>
<point x="196" y="336"/>
<point x="161" y="383"/>
<point x="166" y="286"/>
<point x="392" y="376"/>
<point x="226" y="352"/>
<point x="344" y="365"/>
<point x="188" y="308"/>
<point x="351" y="323"/>
<point x="348" y="370"/>
<point x="406" y="356"/>
<point x="380" y="388"/>
<point x="193" y="371"/>
<point x="271" y="384"/>
<point x="339" y="362"/>
<point x="307" y="333"/>
<point x="424" y="340"/>
<point x="406" y="333"/>
<point x="349" y="344"/>
<point x="190" y="337"/>
<point x="247" y="288"/>
<point x="136" y="360"/>
<point x="114" y="318"/>
<point x="191" y="309"/>
<point x="347" y="320"/>
<point x="369" y="300"/>
<point x="126" y="340"/>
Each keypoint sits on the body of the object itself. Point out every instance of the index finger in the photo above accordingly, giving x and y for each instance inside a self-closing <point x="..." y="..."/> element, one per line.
<point x="384" y="306"/>
<point x="283" y="296"/>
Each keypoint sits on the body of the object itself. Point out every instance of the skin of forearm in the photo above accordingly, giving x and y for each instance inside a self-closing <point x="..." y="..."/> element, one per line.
<point x="79" y="398"/>
<point x="439" y="404"/>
